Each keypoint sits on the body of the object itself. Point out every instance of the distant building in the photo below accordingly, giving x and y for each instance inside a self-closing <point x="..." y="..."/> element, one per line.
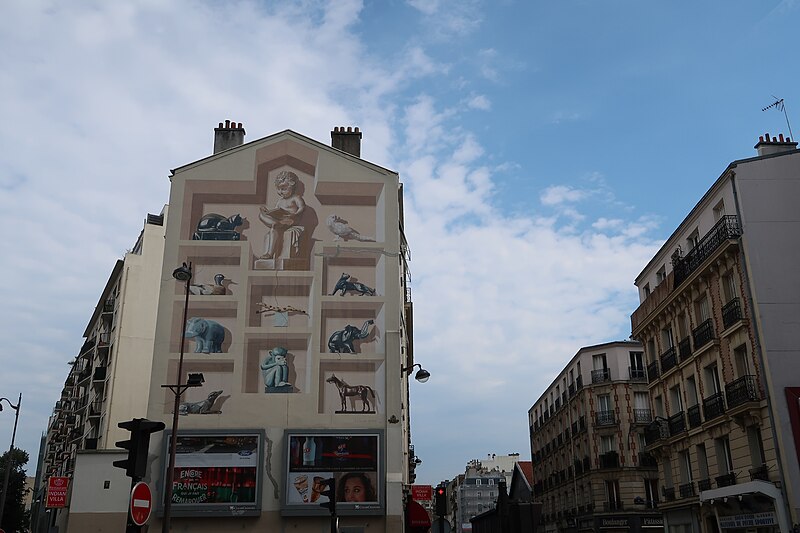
<point x="591" y="470"/>
<point x="719" y="315"/>
<point x="476" y="491"/>
<point x="109" y="377"/>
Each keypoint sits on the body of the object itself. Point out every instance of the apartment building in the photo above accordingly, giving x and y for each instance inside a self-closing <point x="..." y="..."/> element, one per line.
<point x="591" y="469"/>
<point x="477" y="491"/>
<point x="718" y="314"/>
<point x="107" y="377"/>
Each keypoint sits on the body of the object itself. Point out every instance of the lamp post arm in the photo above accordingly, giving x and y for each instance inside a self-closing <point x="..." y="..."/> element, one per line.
<point x="10" y="451"/>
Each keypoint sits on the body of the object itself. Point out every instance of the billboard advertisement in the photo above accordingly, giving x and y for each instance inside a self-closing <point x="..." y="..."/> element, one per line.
<point x="217" y="472"/>
<point x="352" y="458"/>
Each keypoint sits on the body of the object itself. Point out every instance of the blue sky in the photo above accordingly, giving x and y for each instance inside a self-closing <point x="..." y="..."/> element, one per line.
<point x="547" y="149"/>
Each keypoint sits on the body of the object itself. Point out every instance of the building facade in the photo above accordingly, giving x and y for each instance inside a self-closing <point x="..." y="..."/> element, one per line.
<point x="718" y="314"/>
<point x="591" y="469"/>
<point x="299" y="320"/>
<point x="107" y="378"/>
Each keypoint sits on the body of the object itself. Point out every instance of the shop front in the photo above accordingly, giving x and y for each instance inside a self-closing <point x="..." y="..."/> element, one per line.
<point x="757" y="506"/>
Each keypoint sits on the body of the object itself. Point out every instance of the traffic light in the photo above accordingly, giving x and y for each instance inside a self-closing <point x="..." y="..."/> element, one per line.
<point x="136" y="464"/>
<point x="329" y="491"/>
<point x="441" y="500"/>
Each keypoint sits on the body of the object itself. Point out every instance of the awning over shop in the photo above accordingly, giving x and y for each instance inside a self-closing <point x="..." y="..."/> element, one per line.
<point x="417" y="516"/>
<point x="765" y="488"/>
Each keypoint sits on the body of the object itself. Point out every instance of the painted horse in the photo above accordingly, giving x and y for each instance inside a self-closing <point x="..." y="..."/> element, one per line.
<point x="345" y="390"/>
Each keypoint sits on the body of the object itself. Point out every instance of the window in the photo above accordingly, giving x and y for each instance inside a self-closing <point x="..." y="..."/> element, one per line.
<point x="668" y="473"/>
<point x="637" y="362"/>
<point x="702" y="460"/>
<point x="702" y="310"/>
<point x="604" y="402"/>
<point x="686" y="467"/>
<point x="661" y="275"/>
<point x="659" y="403"/>
<point x="757" y="457"/>
<point x="691" y="391"/>
<point x="693" y="239"/>
<point x="724" y="461"/>
<point x="711" y="379"/>
<point x="607" y="444"/>
<point x="741" y="360"/>
<point x="719" y="210"/>
<point x="683" y="331"/>
<point x="571" y="377"/>
<point x="651" y="491"/>
<point x="599" y="361"/>
<point x="666" y="338"/>
<point x="612" y="495"/>
<point x="646" y="290"/>
<point x="652" y="356"/>
<point x="675" y="399"/>
<point x="729" y="287"/>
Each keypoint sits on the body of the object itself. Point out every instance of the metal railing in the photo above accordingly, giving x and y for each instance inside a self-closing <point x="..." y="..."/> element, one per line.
<point x="669" y="359"/>
<point x="677" y="423"/>
<point x="704" y="484"/>
<point x="742" y="390"/>
<point x="714" y="406"/>
<point x="731" y="312"/>
<point x="703" y="334"/>
<point x="579" y="382"/>
<point x="693" y="414"/>
<point x="609" y="460"/>
<point x="652" y="371"/>
<point x="657" y="430"/>
<point x="645" y="459"/>
<point x="759" y="472"/>
<point x="726" y="228"/>
<point x="726" y="480"/>
<point x="685" y="349"/>
<point x="669" y="494"/>
<point x="605" y="418"/>
<point x="686" y="490"/>
<point x="600" y="375"/>
<point x="636" y="374"/>
<point x="642" y="416"/>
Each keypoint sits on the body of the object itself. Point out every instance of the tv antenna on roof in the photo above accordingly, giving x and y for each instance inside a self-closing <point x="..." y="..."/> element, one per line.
<point x="780" y="106"/>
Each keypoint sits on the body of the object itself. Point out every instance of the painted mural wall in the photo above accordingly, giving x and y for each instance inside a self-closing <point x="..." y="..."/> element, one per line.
<point x="288" y="310"/>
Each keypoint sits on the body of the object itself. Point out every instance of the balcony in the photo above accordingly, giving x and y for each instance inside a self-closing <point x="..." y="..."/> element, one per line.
<point x="742" y="390"/>
<point x="108" y="306"/>
<point x="685" y="349"/>
<point x="731" y="312"/>
<point x="726" y="228"/>
<point x="669" y="359"/>
<point x="609" y="460"/>
<point x="693" y="414"/>
<point x="557" y="404"/>
<point x="647" y="460"/>
<point x="703" y="334"/>
<point x="726" y="480"/>
<point x="642" y="416"/>
<point x="600" y="375"/>
<point x="677" y="423"/>
<point x="571" y="390"/>
<point x="636" y="374"/>
<point x="605" y="418"/>
<point x="95" y="409"/>
<point x="759" y="472"/>
<point x="686" y="490"/>
<point x="99" y="374"/>
<point x="704" y="484"/>
<point x="656" y="431"/>
<point x="103" y="339"/>
<point x="714" y="406"/>
<point x="652" y="371"/>
<point x="669" y="494"/>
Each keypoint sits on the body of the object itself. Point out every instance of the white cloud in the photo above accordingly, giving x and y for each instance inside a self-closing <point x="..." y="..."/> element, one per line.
<point x="480" y="102"/>
<point x="560" y="194"/>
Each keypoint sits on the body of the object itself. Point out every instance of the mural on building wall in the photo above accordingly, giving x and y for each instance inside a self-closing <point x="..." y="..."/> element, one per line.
<point x="214" y="227"/>
<point x="203" y="407"/>
<point x="275" y="371"/>
<point x="218" y="288"/>
<point x="341" y="228"/>
<point x="347" y="283"/>
<point x="341" y="341"/>
<point x="362" y="392"/>
<point x="207" y="334"/>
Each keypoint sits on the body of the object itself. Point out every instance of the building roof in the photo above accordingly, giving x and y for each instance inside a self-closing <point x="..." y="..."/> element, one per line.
<point x="526" y="468"/>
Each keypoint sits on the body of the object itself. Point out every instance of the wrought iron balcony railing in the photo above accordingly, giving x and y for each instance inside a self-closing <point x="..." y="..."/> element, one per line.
<point x="609" y="460"/>
<point x="669" y="359"/>
<point x="636" y="374"/>
<point x="642" y="416"/>
<point x="669" y="494"/>
<point x="703" y="334"/>
<point x="726" y="480"/>
<point x="693" y="414"/>
<point x="704" y="484"/>
<point x="685" y="349"/>
<point x="645" y="459"/>
<point x="731" y="312"/>
<point x="677" y="423"/>
<point x="742" y="390"/>
<point x="759" y="472"/>
<point x="605" y="418"/>
<point x="600" y="375"/>
<point x="714" y="406"/>
<point x="579" y="382"/>
<point x="726" y="228"/>
<point x="571" y="390"/>
<point x="652" y="371"/>
<point x="686" y="490"/>
<point x="657" y="430"/>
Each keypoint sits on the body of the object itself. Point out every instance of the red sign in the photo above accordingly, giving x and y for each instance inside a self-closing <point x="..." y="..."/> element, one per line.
<point x="141" y="503"/>
<point x="417" y="516"/>
<point x="57" y="491"/>
<point x="422" y="493"/>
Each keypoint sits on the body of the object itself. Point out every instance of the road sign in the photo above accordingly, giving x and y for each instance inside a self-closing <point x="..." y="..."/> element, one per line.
<point x="141" y="503"/>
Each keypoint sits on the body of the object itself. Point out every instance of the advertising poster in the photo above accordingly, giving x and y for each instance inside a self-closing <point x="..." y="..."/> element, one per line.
<point x="57" y="492"/>
<point x="352" y="460"/>
<point x="216" y="471"/>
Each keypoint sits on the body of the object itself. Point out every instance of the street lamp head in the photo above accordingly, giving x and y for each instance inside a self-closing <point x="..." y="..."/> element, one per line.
<point x="182" y="273"/>
<point x="422" y="375"/>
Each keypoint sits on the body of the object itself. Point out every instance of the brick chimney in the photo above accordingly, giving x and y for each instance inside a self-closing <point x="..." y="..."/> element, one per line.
<point x="766" y="146"/>
<point x="228" y="135"/>
<point x="347" y="141"/>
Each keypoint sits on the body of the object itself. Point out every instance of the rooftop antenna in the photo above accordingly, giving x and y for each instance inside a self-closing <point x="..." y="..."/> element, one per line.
<point x="779" y="105"/>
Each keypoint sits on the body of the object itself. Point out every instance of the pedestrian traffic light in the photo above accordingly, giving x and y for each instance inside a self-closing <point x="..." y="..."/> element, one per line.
<point x="135" y="465"/>
<point x="441" y="500"/>
<point x="329" y="490"/>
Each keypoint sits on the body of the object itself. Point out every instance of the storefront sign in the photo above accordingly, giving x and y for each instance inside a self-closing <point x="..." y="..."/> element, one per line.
<point x="652" y="521"/>
<point x="614" y="523"/>
<point x="747" y="520"/>
<point x="422" y="493"/>
<point x="57" y="491"/>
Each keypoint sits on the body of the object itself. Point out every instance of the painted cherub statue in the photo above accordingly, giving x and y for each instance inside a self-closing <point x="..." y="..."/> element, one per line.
<point x="282" y="220"/>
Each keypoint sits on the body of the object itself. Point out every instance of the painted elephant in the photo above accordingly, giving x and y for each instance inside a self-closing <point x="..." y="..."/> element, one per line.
<point x="207" y="334"/>
<point x="341" y="341"/>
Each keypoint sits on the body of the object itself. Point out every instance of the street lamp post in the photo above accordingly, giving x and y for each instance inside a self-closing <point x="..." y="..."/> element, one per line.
<point x="10" y="450"/>
<point x="182" y="273"/>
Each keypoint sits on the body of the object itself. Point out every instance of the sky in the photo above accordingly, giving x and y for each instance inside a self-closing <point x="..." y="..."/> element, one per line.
<point x="547" y="150"/>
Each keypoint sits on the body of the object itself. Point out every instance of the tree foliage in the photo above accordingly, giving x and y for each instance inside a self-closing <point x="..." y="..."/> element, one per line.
<point x="15" y="517"/>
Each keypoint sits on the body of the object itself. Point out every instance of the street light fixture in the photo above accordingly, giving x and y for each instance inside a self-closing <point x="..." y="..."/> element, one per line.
<point x="10" y="450"/>
<point x="182" y="273"/>
<point x="422" y="375"/>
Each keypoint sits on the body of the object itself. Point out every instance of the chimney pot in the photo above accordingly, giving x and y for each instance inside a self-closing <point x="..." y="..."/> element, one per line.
<point x="780" y="136"/>
<point x="349" y="129"/>
<point x="347" y="140"/>
<point x="228" y="135"/>
<point x="768" y="145"/>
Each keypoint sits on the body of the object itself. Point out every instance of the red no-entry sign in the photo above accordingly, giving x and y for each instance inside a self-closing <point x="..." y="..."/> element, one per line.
<point x="141" y="503"/>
